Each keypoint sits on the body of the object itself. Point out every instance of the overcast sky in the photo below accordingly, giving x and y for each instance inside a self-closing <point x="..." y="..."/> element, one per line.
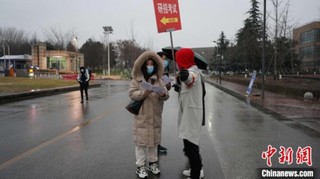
<point x="202" y="20"/>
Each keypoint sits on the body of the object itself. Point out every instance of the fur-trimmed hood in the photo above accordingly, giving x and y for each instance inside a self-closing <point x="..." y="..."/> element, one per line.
<point x="136" y="72"/>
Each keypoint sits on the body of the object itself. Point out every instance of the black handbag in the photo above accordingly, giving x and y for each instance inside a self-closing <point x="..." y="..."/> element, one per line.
<point x="134" y="106"/>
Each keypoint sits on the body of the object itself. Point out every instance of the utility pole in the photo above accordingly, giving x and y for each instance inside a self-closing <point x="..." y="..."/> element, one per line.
<point x="263" y="47"/>
<point x="107" y="31"/>
<point x="76" y="46"/>
<point x="218" y="56"/>
<point x="4" y="59"/>
<point x="276" y="44"/>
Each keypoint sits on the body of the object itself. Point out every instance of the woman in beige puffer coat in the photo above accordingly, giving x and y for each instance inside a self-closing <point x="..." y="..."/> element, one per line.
<point x="147" y="124"/>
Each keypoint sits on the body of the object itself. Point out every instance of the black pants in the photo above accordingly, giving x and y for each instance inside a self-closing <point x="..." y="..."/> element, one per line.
<point x="192" y="152"/>
<point x="84" y="86"/>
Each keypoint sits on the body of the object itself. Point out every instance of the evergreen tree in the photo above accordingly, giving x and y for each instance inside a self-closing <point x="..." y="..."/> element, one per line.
<point x="249" y="38"/>
<point x="223" y="44"/>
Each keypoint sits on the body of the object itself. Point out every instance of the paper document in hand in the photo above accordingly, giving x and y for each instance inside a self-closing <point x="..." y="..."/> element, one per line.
<point x="150" y="87"/>
<point x="158" y="89"/>
<point x="166" y="79"/>
<point x="146" y="85"/>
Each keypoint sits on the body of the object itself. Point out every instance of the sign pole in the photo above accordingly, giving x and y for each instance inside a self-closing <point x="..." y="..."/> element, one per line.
<point x="172" y="51"/>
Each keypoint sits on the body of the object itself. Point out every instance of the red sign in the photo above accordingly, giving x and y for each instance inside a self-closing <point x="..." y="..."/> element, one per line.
<point x="167" y="15"/>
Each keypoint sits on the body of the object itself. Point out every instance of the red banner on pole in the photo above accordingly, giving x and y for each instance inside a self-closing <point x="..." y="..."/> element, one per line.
<point x="167" y="15"/>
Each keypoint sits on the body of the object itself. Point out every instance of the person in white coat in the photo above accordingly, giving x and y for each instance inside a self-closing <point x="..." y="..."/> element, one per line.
<point x="191" y="110"/>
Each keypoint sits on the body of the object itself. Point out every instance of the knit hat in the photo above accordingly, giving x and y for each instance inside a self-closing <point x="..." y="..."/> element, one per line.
<point x="185" y="58"/>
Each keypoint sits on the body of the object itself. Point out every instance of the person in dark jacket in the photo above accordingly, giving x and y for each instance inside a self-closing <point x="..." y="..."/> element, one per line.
<point x="166" y="62"/>
<point x="83" y="79"/>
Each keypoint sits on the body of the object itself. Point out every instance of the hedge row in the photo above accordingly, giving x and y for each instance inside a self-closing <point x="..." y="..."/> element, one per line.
<point x="286" y="86"/>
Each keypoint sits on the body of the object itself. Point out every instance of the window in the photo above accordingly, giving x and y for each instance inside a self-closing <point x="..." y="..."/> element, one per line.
<point x="310" y="36"/>
<point x="310" y="52"/>
<point x="59" y="63"/>
<point x="307" y="52"/>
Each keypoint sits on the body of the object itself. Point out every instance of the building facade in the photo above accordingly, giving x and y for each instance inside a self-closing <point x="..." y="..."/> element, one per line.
<point x="19" y="63"/>
<point x="57" y="61"/>
<point x="61" y="60"/>
<point x="308" y="46"/>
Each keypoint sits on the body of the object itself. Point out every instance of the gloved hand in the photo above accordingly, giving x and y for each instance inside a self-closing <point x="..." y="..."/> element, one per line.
<point x="168" y="86"/>
<point x="176" y="87"/>
<point x="184" y="74"/>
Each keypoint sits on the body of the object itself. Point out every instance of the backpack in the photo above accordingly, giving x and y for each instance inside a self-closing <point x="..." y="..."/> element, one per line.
<point x="89" y="72"/>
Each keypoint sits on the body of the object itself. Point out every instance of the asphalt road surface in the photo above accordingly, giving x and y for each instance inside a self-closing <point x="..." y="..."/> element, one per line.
<point x="58" y="137"/>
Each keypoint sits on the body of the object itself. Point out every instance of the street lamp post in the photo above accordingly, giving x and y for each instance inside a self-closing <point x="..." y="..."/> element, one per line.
<point x="4" y="55"/>
<point x="75" y="39"/>
<point x="219" y="56"/>
<point x="264" y="47"/>
<point x="108" y="30"/>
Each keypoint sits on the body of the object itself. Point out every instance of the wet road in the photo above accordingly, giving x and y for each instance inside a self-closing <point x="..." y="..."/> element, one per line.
<point x="57" y="137"/>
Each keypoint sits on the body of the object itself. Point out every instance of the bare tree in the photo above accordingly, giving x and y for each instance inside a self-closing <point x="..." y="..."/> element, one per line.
<point x="15" y="41"/>
<point x="34" y="39"/>
<point x="58" y="38"/>
<point x="149" y="44"/>
<point x="281" y="35"/>
<point x="129" y="52"/>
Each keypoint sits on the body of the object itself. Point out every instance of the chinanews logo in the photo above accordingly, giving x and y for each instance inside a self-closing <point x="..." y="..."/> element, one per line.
<point x="303" y="155"/>
<point x="286" y="157"/>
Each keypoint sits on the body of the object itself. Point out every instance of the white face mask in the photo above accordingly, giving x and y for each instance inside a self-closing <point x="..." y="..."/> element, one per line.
<point x="150" y="69"/>
<point x="165" y="63"/>
<point x="82" y="70"/>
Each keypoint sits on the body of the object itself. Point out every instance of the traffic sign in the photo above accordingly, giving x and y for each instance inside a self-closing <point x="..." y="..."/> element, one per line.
<point x="167" y="15"/>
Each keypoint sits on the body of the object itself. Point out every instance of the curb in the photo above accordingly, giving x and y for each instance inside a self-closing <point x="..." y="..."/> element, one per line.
<point x="252" y="103"/>
<point x="260" y="107"/>
<point x="40" y="93"/>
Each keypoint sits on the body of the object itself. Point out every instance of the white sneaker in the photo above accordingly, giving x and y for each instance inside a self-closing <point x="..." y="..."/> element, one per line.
<point x="141" y="172"/>
<point x="154" y="168"/>
<point x="187" y="173"/>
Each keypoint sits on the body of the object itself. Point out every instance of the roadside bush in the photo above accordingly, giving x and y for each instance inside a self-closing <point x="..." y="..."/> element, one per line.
<point x="289" y="86"/>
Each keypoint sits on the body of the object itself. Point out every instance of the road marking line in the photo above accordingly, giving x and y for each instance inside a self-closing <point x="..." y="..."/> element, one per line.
<point x="57" y="138"/>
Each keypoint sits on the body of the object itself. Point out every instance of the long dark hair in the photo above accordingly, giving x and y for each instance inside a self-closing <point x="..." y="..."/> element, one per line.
<point x="144" y="69"/>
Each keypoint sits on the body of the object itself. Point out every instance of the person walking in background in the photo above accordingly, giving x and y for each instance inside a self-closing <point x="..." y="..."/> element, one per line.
<point x="147" y="124"/>
<point x="83" y="79"/>
<point x="11" y="71"/>
<point x="166" y="63"/>
<point x="191" y="110"/>
<point x="165" y="60"/>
